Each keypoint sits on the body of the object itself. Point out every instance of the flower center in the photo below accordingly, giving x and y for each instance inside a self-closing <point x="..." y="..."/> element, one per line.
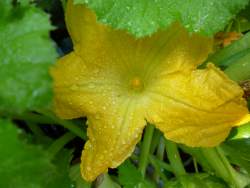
<point x="136" y="83"/>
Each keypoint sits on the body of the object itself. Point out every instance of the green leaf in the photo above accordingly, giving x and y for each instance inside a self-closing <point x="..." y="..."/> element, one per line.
<point x="237" y="147"/>
<point x="130" y="177"/>
<point x="28" y="166"/>
<point x="246" y="12"/>
<point x="145" y="17"/>
<point x="232" y="53"/>
<point x="75" y="175"/>
<point x="196" y="181"/>
<point x="26" y="53"/>
<point x="107" y="182"/>
<point x="235" y="59"/>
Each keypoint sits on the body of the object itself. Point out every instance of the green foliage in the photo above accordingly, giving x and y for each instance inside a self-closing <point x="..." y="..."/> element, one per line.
<point x="235" y="59"/>
<point x="130" y="177"/>
<point x="145" y="17"/>
<point x="107" y="182"/>
<point x="28" y="166"/>
<point x="75" y="175"/>
<point x="196" y="181"/>
<point x="232" y="53"/>
<point x="237" y="147"/>
<point x="26" y="53"/>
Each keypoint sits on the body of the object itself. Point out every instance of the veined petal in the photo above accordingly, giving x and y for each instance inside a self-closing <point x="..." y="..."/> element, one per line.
<point x="112" y="137"/>
<point x="81" y="89"/>
<point x="197" y="108"/>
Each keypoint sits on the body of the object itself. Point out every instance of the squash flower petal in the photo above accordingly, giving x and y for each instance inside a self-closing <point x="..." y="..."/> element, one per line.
<point x="120" y="83"/>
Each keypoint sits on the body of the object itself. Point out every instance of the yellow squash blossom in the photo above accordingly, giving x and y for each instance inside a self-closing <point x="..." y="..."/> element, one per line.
<point x="120" y="83"/>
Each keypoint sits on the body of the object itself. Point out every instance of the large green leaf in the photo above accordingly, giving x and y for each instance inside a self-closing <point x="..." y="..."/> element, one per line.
<point x="145" y="17"/>
<point x="26" y="53"/>
<point x="27" y="166"/>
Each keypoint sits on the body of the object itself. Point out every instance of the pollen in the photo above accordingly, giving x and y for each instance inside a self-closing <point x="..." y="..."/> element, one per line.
<point x="136" y="83"/>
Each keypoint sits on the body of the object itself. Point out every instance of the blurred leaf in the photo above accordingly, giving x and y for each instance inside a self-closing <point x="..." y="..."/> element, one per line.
<point x="246" y="12"/>
<point x="28" y="166"/>
<point x="26" y="53"/>
<point x="241" y="132"/>
<point x="107" y="182"/>
<point x="232" y="53"/>
<point x="196" y="181"/>
<point x="130" y="177"/>
<point x="145" y="17"/>
<point x="75" y="175"/>
<point x="235" y="59"/>
<point x="237" y="147"/>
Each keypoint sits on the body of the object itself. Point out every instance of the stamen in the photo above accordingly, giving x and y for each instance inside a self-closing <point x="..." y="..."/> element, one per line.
<point x="136" y="83"/>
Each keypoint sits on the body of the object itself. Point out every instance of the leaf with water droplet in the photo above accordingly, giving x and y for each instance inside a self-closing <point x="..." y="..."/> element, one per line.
<point x="202" y="16"/>
<point x="26" y="53"/>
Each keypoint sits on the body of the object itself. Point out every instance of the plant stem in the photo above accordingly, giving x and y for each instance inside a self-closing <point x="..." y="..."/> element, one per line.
<point x="155" y="142"/>
<point x="157" y="168"/>
<point x="238" y="179"/>
<point x="35" y="129"/>
<point x="78" y="131"/>
<point x="59" y="144"/>
<point x="164" y="165"/>
<point x="223" y="168"/>
<point x="174" y="158"/>
<point x="145" y="148"/>
<point x="48" y="118"/>
<point x="161" y="149"/>
<point x="214" y="160"/>
<point x="72" y="127"/>
<point x="159" y="154"/>
<point x="34" y="118"/>
<point x="195" y="165"/>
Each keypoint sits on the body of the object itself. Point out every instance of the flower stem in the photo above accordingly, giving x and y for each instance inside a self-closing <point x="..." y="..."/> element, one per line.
<point x="59" y="144"/>
<point x="160" y="155"/>
<point x="163" y="165"/>
<point x="34" y="118"/>
<point x="157" y="168"/>
<point x="195" y="165"/>
<point x="145" y="148"/>
<point x="174" y="158"/>
<point x="238" y="179"/>
<point x="215" y="162"/>
<point x="35" y="129"/>
<point x="72" y="127"/>
<point x="78" y="131"/>
<point x="223" y="168"/>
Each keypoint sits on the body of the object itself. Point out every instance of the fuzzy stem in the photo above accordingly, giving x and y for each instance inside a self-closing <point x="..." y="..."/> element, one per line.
<point x="223" y="168"/>
<point x="145" y="149"/>
<point x="58" y="144"/>
<point x="174" y="158"/>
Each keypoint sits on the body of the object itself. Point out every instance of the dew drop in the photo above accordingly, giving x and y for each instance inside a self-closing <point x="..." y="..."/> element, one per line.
<point x="128" y="7"/>
<point x="97" y="116"/>
<point x="74" y="87"/>
<point x="96" y="71"/>
<point x="91" y="86"/>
